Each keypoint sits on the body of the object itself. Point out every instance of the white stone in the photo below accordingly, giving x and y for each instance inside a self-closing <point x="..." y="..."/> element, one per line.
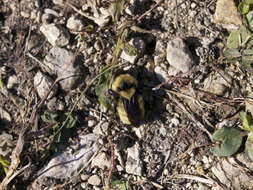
<point x="102" y="160"/>
<point x="43" y="83"/>
<point x="75" y="24"/>
<point x="134" y="165"/>
<point x="178" y="55"/>
<point x="5" y="115"/>
<point x="129" y="58"/>
<point x="55" y="34"/>
<point x="94" y="180"/>
<point x="60" y="62"/>
<point x="12" y="80"/>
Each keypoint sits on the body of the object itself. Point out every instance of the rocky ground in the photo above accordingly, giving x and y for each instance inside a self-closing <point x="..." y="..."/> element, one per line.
<point x="57" y="128"/>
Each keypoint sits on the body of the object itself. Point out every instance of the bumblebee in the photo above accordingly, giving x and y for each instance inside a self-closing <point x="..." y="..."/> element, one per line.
<point x="130" y="104"/>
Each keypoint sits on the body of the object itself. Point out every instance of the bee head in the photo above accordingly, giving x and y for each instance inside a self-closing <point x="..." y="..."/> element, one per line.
<point x="125" y="85"/>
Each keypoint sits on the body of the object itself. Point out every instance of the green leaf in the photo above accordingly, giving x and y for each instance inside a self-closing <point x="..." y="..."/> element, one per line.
<point x="124" y="184"/>
<point x="233" y="39"/>
<point x="230" y="139"/>
<point x="129" y="49"/>
<point x="2" y="86"/>
<point x="248" y="52"/>
<point x="247" y="122"/>
<point x="248" y="2"/>
<point x="5" y="163"/>
<point x="138" y="29"/>
<point x="249" y="18"/>
<point x="89" y="28"/>
<point x="68" y="120"/>
<point x="103" y="86"/>
<point x="249" y="145"/>
<point x="243" y="7"/>
<point x="247" y="61"/>
<point x="232" y="53"/>
<point x="240" y="38"/>
<point x="117" y="8"/>
<point x="49" y="117"/>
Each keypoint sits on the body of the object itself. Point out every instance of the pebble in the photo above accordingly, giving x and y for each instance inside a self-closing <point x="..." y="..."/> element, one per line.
<point x="97" y="46"/>
<point x="47" y="18"/>
<point x="58" y="2"/>
<point x="102" y="160"/>
<point x="12" y="80"/>
<point x="203" y="187"/>
<point x="83" y="185"/>
<point x="193" y="5"/>
<point x="75" y="24"/>
<point x="25" y="14"/>
<point x="231" y="18"/>
<point x="134" y="165"/>
<point x="91" y="123"/>
<point x="179" y="55"/>
<point x="139" y="131"/>
<point x="84" y="177"/>
<point x="91" y="50"/>
<point x="102" y="19"/>
<point x="34" y="14"/>
<point x="205" y="160"/>
<point x="51" y="12"/>
<point x="43" y="83"/>
<point x="55" y="34"/>
<point x="59" y="61"/>
<point x="5" y="115"/>
<point x="127" y="57"/>
<point x="94" y="180"/>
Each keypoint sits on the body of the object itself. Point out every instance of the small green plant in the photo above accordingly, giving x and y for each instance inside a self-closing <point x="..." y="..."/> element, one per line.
<point x="102" y="87"/>
<point x="239" y="47"/>
<point x="247" y="124"/>
<point x="245" y="6"/>
<point x="117" y="8"/>
<point x="61" y="126"/>
<point x="230" y="139"/>
<point x="120" y="184"/>
<point x="4" y="166"/>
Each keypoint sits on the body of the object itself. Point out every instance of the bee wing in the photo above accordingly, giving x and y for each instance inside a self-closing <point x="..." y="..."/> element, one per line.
<point x="132" y="109"/>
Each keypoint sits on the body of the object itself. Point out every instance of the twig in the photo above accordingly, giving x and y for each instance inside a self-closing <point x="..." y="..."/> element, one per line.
<point x="221" y="75"/>
<point x="80" y="12"/>
<point x="18" y="172"/>
<point x="108" y="185"/>
<point x="38" y="61"/>
<point x="138" y="18"/>
<point x="15" y="159"/>
<point x="193" y="177"/>
<point x="187" y="96"/>
<point x="176" y="15"/>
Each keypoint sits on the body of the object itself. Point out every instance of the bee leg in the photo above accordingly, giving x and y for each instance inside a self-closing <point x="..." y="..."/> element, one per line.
<point x="114" y="94"/>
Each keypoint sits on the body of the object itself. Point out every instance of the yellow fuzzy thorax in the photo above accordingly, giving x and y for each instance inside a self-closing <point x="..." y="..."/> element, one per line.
<point x="126" y="93"/>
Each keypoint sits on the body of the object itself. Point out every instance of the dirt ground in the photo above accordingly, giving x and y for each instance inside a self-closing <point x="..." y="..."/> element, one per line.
<point x="171" y="147"/>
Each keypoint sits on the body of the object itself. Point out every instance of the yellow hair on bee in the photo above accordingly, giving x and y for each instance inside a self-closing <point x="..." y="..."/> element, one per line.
<point x="130" y="104"/>
<point x="127" y="93"/>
